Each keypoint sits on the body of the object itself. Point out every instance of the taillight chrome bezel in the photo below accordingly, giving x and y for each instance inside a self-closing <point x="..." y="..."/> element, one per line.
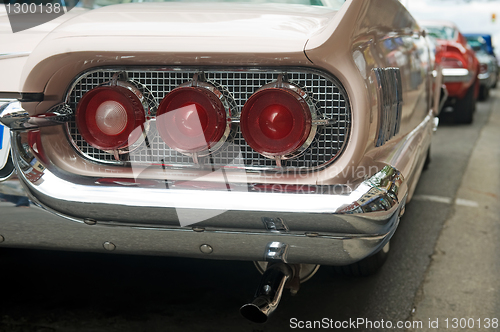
<point x="213" y="92"/>
<point x="307" y="103"/>
<point x="145" y="107"/>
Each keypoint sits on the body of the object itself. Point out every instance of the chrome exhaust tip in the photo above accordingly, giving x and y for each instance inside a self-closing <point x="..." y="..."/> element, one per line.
<point x="258" y="311"/>
<point x="268" y="294"/>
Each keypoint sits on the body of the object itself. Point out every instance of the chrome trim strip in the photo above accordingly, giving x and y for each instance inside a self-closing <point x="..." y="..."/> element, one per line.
<point x="390" y="97"/>
<point x="22" y="96"/>
<point x="12" y="55"/>
<point x="4" y="101"/>
<point x="21" y="120"/>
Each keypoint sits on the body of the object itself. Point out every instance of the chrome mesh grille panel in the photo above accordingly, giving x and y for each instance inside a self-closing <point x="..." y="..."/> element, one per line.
<point x="330" y="99"/>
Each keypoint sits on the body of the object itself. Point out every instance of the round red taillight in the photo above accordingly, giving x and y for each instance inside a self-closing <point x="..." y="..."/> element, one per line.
<point x="276" y="121"/>
<point x="107" y="116"/>
<point x="191" y="119"/>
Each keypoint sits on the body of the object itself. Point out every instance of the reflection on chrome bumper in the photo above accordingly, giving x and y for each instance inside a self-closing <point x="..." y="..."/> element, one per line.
<point x="328" y="226"/>
<point x="45" y="231"/>
<point x="486" y="79"/>
<point x="451" y="75"/>
<point x="16" y="118"/>
<point x="333" y="224"/>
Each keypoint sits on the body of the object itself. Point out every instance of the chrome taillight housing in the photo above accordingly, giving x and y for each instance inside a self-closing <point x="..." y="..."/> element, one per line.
<point x="108" y="117"/>
<point x="306" y="127"/>
<point x="193" y="118"/>
<point x="278" y="120"/>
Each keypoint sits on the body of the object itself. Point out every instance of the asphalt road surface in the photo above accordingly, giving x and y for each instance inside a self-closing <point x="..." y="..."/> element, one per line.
<point x="66" y="291"/>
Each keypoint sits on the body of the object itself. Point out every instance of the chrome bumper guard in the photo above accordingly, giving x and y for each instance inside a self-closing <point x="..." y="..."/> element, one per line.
<point x="455" y="75"/>
<point x="485" y="78"/>
<point x="332" y="225"/>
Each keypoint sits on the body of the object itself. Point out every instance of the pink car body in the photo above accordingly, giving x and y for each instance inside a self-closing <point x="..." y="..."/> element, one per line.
<point x="319" y="121"/>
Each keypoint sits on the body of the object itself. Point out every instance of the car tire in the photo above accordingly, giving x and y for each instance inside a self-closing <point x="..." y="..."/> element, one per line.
<point x="365" y="267"/>
<point x="464" y="112"/>
<point x="484" y="93"/>
<point x="427" y="159"/>
<point x="8" y="169"/>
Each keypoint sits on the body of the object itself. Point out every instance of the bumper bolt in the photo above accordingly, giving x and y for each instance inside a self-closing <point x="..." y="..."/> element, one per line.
<point x="2" y="239"/>
<point x="109" y="246"/>
<point x="206" y="249"/>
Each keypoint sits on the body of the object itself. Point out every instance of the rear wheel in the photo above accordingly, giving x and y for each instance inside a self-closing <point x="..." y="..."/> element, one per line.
<point x="484" y="92"/>
<point x="464" y="111"/>
<point x="427" y="159"/>
<point x="365" y="267"/>
<point x="7" y="170"/>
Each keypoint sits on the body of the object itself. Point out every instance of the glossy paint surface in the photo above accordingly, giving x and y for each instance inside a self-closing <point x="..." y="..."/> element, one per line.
<point x="377" y="38"/>
<point x="369" y="35"/>
<point x="350" y="45"/>
<point x="16" y="47"/>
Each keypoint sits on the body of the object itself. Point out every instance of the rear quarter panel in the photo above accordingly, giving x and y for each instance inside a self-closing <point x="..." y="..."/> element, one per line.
<point x="370" y="35"/>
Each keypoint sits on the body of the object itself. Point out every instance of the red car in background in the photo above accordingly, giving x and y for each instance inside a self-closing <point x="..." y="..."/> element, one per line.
<point x="460" y="69"/>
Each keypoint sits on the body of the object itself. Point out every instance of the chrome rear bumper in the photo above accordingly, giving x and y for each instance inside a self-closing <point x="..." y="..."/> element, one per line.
<point x="453" y="75"/>
<point x="326" y="228"/>
<point x="46" y="231"/>
<point x="332" y="225"/>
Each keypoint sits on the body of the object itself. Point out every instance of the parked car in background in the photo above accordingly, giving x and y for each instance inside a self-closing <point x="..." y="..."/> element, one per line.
<point x="484" y="37"/>
<point x="460" y="68"/>
<point x="489" y="69"/>
<point x="289" y="133"/>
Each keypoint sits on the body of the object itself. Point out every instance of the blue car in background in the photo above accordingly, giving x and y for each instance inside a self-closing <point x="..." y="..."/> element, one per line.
<point x="490" y="49"/>
<point x="487" y="39"/>
<point x="489" y="69"/>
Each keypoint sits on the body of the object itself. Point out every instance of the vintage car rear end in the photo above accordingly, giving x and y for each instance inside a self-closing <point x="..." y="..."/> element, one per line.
<point x="289" y="134"/>
<point x="488" y="66"/>
<point x="460" y="70"/>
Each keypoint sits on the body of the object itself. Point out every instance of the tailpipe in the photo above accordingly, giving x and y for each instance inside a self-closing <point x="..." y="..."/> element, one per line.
<point x="268" y="294"/>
